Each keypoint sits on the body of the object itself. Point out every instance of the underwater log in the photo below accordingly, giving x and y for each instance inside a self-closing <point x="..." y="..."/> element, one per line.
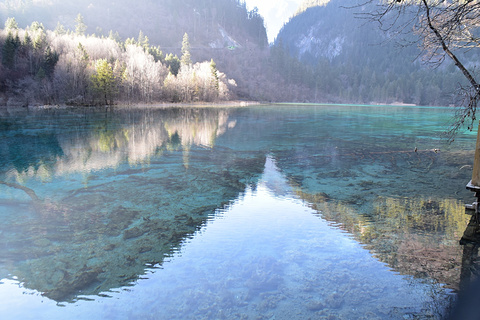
<point x="28" y="191"/>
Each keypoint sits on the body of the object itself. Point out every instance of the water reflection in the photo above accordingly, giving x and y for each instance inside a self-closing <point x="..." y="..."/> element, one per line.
<point x="102" y="214"/>
<point x="110" y="140"/>
<point x="415" y="236"/>
<point x="118" y="192"/>
<point x="268" y="255"/>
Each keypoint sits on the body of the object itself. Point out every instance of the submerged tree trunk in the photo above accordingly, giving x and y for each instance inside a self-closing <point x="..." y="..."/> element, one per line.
<point x="28" y="191"/>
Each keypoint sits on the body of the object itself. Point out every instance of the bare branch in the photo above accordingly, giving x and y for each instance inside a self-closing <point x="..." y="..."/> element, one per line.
<point x="444" y="28"/>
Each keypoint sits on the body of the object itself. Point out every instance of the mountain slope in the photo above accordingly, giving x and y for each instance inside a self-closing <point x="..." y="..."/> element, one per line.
<point x="363" y="64"/>
<point x="220" y="29"/>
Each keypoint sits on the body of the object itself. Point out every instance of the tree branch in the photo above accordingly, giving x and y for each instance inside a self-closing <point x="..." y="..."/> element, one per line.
<point x="447" y="50"/>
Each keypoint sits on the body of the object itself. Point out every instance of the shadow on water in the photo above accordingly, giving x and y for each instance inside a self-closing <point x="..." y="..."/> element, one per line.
<point x="467" y="306"/>
<point x="470" y="260"/>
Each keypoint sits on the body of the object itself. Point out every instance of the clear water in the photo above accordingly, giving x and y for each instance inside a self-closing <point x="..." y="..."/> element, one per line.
<point x="265" y="212"/>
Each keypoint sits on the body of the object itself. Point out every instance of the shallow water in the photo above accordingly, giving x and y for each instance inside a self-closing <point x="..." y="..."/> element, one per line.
<point x="267" y="212"/>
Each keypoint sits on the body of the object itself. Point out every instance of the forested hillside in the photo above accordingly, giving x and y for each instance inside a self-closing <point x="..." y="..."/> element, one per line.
<point x="165" y="21"/>
<point x="56" y="51"/>
<point x="107" y="51"/>
<point x="43" y="66"/>
<point x="353" y="61"/>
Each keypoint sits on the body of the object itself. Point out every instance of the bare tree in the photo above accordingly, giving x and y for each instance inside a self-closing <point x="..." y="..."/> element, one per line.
<point x="445" y="29"/>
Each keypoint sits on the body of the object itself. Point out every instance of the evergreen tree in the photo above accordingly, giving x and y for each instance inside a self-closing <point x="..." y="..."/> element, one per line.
<point x="40" y="74"/>
<point x="80" y="27"/>
<point x="17" y="41"/>
<point x="60" y="29"/>
<point x="40" y="41"/>
<point x="216" y="83"/>
<point x="27" y="41"/>
<point x="157" y="54"/>
<point x="11" y="24"/>
<point x="103" y="80"/>
<point x="114" y="36"/>
<point x="173" y="64"/>
<point x="9" y="51"/>
<point x="143" y="41"/>
<point x="83" y="53"/>
<point x="130" y="41"/>
<point x="186" y="59"/>
<point x="27" y="48"/>
<point x="49" y="61"/>
<point x="37" y="26"/>
<point x="119" y="74"/>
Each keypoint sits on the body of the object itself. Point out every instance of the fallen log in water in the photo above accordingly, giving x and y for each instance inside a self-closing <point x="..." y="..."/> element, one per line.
<point x="28" y="191"/>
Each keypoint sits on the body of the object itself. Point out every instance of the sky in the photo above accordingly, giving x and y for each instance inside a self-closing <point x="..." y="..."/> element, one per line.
<point x="275" y="13"/>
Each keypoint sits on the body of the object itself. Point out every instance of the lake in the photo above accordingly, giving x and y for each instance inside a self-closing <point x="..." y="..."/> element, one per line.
<point x="261" y="212"/>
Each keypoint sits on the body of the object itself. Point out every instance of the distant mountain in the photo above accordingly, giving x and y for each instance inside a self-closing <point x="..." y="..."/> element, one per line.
<point x="355" y="61"/>
<point x="310" y="4"/>
<point x="333" y="32"/>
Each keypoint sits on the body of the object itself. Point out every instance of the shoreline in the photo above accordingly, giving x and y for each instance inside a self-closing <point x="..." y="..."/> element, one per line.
<point x="234" y="103"/>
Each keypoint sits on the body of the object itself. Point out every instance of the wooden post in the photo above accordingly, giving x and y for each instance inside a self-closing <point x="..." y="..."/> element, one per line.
<point x="474" y="184"/>
<point x="476" y="163"/>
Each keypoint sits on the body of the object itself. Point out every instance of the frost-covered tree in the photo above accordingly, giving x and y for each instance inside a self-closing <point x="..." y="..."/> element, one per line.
<point x="80" y="26"/>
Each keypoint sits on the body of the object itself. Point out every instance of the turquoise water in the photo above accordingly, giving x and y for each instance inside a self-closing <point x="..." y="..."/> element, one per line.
<point x="265" y="212"/>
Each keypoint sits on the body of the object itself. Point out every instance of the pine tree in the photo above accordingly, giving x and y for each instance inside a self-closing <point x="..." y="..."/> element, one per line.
<point x="40" y="74"/>
<point x="17" y="41"/>
<point x="186" y="59"/>
<point x="60" y="29"/>
<point x="9" y="51"/>
<point x="27" y="47"/>
<point x="173" y="64"/>
<point x="103" y="80"/>
<point x="37" y="26"/>
<point x="143" y="41"/>
<point x="84" y="57"/>
<point x="49" y="61"/>
<point x="157" y="54"/>
<point x="27" y="40"/>
<point x="40" y="41"/>
<point x="11" y="24"/>
<point x="114" y="36"/>
<point x="216" y="82"/>
<point x="130" y="41"/>
<point x="80" y="27"/>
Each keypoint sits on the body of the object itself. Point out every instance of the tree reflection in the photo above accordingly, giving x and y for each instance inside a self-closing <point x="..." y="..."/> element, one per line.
<point x="90" y="237"/>
<point x="110" y="140"/>
<point x="416" y="236"/>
